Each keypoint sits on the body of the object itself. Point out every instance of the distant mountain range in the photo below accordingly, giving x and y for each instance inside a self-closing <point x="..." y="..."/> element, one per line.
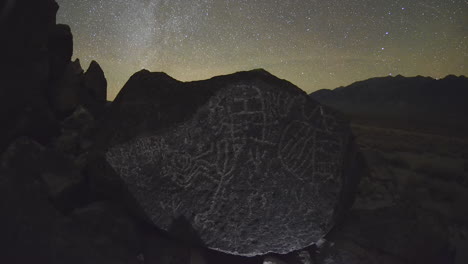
<point x="421" y="102"/>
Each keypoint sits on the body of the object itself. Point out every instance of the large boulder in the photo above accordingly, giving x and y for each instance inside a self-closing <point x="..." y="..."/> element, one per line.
<point x="249" y="161"/>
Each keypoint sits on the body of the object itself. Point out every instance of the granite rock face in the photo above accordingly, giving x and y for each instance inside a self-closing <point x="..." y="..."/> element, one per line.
<point x="254" y="166"/>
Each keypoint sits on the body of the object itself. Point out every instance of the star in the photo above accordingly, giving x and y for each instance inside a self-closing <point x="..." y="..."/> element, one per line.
<point x="200" y="39"/>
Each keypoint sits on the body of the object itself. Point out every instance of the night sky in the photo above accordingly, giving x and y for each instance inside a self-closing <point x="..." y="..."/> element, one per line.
<point x="314" y="44"/>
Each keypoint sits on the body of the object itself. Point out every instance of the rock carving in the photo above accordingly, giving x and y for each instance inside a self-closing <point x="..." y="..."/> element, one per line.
<point x="256" y="169"/>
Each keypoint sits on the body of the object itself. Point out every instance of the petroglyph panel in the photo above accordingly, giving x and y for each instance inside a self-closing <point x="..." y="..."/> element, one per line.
<point x="255" y="170"/>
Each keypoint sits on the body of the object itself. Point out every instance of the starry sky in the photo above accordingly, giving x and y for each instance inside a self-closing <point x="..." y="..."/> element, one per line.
<point x="314" y="44"/>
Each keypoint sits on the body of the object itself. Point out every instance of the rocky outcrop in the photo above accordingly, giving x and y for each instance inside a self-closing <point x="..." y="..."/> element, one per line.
<point x="388" y="235"/>
<point x="27" y="222"/>
<point x="65" y="92"/>
<point x="60" y="50"/>
<point x="48" y="217"/>
<point x="44" y="195"/>
<point x="248" y="160"/>
<point x="95" y="82"/>
<point x="99" y="233"/>
<point x="40" y="84"/>
<point x="75" y="88"/>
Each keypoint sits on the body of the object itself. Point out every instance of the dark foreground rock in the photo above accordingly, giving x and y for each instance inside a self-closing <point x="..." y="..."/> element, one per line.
<point x="99" y="233"/>
<point x="64" y="95"/>
<point x="27" y="220"/>
<point x="59" y="176"/>
<point x="40" y="192"/>
<point x="25" y="27"/>
<point x="33" y="231"/>
<point x="241" y="163"/>
<point x="60" y="50"/>
<point x="248" y="160"/>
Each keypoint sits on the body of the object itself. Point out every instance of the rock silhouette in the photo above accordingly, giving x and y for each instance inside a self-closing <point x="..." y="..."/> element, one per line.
<point x="96" y="82"/>
<point x="40" y="84"/>
<point x="253" y="164"/>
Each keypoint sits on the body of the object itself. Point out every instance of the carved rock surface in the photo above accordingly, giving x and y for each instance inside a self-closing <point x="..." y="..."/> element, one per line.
<point x="256" y="166"/>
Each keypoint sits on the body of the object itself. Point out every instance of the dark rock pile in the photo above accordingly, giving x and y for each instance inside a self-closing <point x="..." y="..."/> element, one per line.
<point x="409" y="102"/>
<point x="40" y="84"/>
<point x="48" y="109"/>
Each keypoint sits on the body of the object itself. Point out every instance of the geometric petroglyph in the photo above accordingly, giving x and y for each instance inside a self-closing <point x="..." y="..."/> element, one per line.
<point x="256" y="169"/>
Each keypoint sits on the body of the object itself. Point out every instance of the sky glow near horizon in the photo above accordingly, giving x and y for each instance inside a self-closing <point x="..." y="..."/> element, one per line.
<point x="314" y="44"/>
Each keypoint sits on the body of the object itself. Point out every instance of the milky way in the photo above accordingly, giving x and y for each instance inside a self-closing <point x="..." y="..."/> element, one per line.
<point x="314" y="44"/>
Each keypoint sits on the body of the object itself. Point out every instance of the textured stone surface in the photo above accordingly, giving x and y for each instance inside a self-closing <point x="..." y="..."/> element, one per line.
<point x="257" y="167"/>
